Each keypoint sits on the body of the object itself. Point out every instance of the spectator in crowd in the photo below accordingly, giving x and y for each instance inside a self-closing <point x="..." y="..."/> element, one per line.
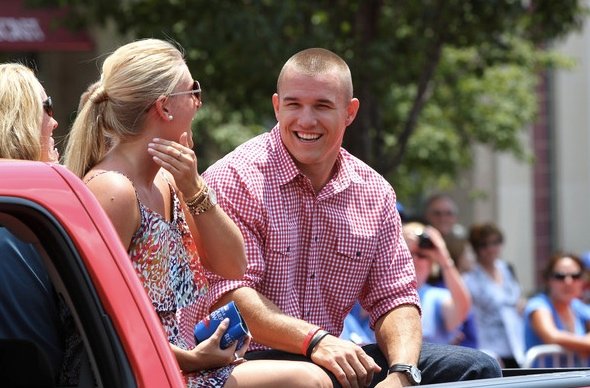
<point x="441" y="213"/>
<point x="30" y="308"/>
<point x="443" y="309"/>
<point x="321" y="232"/>
<point x="497" y="297"/>
<point x="557" y="315"/>
<point x="165" y="214"/>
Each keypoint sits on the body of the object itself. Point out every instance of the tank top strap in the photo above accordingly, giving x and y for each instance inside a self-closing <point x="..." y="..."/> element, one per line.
<point x="86" y="181"/>
<point x="139" y="204"/>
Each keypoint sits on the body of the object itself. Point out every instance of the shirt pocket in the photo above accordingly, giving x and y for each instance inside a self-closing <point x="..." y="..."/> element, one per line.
<point x="347" y="271"/>
<point x="280" y="252"/>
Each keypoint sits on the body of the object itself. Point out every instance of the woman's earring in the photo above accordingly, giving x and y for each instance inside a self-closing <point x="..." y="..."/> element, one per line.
<point x="170" y="117"/>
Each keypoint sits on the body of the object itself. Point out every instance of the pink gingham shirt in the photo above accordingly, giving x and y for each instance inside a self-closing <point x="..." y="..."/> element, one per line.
<point x="313" y="255"/>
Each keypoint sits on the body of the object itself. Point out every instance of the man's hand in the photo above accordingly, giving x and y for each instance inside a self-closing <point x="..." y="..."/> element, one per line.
<point x="348" y="362"/>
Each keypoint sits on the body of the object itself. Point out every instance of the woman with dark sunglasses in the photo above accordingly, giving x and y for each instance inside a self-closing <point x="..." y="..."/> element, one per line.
<point x="557" y="316"/>
<point x="26" y="116"/>
<point x="30" y="308"/>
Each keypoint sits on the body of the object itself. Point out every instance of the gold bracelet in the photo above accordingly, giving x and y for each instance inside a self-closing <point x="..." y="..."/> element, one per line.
<point x="195" y="198"/>
<point x="203" y="203"/>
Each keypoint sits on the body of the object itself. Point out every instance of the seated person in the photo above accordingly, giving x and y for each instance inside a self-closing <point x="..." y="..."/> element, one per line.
<point x="321" y="232"/>
<point x="557" y="316"/>
<point x="443" y="309"/>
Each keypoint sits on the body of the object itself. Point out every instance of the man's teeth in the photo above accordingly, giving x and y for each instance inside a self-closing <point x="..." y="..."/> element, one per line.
<point x="308" y="136"/>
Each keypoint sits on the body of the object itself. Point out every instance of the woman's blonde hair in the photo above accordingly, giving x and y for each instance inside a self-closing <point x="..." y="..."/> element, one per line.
<point x="133" y="78"/>
<point x="21" y="112"/>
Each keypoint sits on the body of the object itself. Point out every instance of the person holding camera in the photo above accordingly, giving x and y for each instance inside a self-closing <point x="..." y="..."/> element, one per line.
<point x="443" y="309"/>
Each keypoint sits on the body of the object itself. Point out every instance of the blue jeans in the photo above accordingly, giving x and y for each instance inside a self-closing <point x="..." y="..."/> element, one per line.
<point x="444" y="363"/>
<point x="438" y="363"/>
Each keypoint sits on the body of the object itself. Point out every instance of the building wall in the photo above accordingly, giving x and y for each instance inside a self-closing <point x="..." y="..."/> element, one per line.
<point x="544" y="206"/>
<point x="502" y="190"/>
<point x="572" y="145"/>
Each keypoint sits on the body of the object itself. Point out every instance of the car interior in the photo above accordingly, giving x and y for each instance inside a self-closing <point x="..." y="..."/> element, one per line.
<point x="23" y="362"/>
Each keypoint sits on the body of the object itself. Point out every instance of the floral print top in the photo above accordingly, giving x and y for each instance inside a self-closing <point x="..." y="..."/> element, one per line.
<point x="165" y="258"/>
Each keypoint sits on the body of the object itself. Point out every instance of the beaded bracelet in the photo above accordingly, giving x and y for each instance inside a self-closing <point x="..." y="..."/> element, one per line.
<point x="315" y="341"/>
<point x="198" y="197"/>
<point x="308" y="338"/>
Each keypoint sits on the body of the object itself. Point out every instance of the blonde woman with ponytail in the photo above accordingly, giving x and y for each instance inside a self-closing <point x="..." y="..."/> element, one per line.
<point x="132" y="144"/>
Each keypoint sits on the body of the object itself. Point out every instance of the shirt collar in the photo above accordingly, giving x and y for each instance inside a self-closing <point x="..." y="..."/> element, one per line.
<point x="288" y="171"/>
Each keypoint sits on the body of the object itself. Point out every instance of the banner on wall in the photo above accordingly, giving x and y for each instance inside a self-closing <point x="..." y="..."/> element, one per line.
<point x="38" y="29"/>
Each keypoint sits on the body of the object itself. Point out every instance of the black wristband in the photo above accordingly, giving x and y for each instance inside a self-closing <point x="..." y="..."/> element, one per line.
<point x="315" y="341"/>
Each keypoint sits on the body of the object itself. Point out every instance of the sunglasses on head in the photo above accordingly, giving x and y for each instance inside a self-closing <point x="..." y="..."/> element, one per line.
<point x="562" y="276"/>
<point x="196" y="90"/>
<point x="48" y="106"/>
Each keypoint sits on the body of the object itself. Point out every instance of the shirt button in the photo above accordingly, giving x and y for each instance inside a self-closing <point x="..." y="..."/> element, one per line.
<point x="312" y="276"/>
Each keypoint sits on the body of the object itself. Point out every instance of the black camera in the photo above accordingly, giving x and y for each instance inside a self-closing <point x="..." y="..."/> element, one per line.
<point x="424" y="241"/>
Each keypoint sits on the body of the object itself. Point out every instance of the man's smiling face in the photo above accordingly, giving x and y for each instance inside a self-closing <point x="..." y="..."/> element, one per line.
<point x="313" y="112"/>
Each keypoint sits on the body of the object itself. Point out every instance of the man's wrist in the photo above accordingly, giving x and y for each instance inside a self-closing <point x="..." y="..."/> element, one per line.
<point x="317" y="337"/>
<point x="312" y="332"/>
<point x="399" y="378"/>
<point x="410" y="373"/>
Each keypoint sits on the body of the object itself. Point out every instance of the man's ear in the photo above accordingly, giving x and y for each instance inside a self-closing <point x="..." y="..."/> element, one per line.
<point x="275" y="105"/>
<point x="351" y="110"/>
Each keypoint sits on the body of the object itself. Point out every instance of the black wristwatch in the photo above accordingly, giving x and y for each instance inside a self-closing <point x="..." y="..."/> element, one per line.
<point x="414" y="375"/>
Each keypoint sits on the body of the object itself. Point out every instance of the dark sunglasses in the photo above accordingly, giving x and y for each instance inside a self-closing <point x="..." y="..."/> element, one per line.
<point x="48" y="107"/>
<point x="491" y="243"/>
<point x="562" y="276"/>
<point x="420" y="256"/>
<point x="196" y="90"/>
<point x="442" y="213"/>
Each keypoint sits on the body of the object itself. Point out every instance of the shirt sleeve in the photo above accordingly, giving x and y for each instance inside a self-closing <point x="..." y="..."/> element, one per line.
<point x="534" y="304"/>
<point x="392" y="278"/>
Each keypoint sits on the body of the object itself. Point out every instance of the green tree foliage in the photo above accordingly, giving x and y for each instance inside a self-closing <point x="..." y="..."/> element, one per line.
<point x="434" y="77"/>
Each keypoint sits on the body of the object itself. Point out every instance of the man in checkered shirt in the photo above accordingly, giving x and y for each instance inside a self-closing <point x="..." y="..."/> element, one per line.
<point x="321" y="231"/>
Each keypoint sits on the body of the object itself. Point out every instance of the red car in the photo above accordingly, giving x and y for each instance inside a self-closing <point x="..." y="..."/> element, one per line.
<point x="47" y="205"/>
